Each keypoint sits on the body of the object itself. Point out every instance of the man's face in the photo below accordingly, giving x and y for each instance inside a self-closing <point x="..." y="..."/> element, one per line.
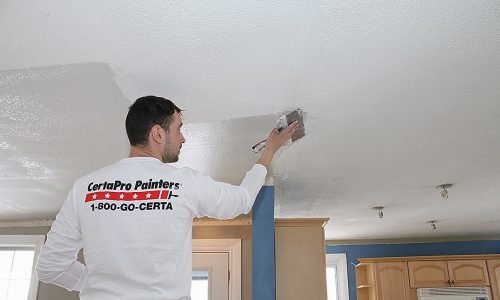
<point x="174" y="140"/>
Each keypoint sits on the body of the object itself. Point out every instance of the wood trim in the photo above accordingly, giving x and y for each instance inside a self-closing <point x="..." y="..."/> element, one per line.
<point x="414" y="240"/>
<point x="423" y="258"/>
<point x="27" y="223"/>
<point x="241" y="220"/>
<point x="300" y="222"/>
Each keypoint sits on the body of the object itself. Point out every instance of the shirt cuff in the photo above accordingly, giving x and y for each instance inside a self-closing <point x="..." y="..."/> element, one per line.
<point x="260" y="169"/>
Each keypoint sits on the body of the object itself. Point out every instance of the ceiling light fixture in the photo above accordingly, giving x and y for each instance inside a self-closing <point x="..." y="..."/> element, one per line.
<point x="380" y="211"/>
<point x="443" y="188"/>
<point x="433" y="224"/>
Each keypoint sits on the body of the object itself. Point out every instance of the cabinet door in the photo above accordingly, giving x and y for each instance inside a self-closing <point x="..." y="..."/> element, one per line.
<point x="428" y="274"/>
<point x="392" y="281"/>
<point x="468" y="273"/>
<point x="494" y="272"/>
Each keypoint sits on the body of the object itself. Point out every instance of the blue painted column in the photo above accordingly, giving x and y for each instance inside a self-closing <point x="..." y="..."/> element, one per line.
<point x="263" y="265"/>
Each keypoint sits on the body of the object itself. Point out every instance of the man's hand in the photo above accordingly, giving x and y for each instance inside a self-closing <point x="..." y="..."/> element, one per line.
<point x="274" y="142"/>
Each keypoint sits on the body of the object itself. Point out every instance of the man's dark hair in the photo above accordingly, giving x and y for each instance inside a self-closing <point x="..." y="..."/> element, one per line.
<point x="146" y="112"/>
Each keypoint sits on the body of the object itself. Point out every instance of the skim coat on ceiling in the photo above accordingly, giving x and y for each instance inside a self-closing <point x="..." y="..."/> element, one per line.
<point x="400" y="97"/>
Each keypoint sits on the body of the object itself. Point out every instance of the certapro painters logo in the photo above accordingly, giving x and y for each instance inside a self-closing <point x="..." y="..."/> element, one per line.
<point x="141" y="195"/>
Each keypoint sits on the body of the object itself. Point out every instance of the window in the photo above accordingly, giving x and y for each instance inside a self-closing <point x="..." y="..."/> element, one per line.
<point x="336" y="277"/>
<point x="199" y="285"/>
<point x="18" y="255"/>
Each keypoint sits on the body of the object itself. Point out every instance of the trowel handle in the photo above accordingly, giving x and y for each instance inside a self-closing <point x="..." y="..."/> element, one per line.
<point x="259" y="146"/>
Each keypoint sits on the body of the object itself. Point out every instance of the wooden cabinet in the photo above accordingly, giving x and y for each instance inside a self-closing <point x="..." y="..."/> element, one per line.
<point x="468" y="273"/>
<point x="300" y="259"/>
<point x="428" y="274"/>
<point x="494" y="273"/>
<point x="442" y="273"/>
<point x="397" y="278"/>
<point x="382" y="281"/>
<point x="365" y="281"/>
<point x="392" y="281"/>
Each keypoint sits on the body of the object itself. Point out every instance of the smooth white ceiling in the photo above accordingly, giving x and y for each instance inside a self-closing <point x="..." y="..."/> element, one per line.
<point x="400" y="97"/>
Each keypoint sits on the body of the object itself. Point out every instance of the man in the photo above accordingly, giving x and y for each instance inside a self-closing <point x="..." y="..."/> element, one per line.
<point x="134" y="218"/>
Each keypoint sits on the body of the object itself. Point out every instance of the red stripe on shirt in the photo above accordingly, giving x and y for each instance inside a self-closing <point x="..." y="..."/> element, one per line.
<point x="127" y="196"/>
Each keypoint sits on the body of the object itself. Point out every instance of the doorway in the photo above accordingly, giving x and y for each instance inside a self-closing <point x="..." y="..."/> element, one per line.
<point x="216" y="269"/>
<point x="210" y="279"/>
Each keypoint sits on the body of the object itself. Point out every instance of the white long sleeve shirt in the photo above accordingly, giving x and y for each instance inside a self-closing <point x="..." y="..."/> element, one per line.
<point x="134" y="221"/>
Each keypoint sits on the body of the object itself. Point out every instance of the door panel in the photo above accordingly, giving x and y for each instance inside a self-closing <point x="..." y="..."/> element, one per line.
<point x="468" y="273"/>
<point x="494" y="273"/>
<point x="428" y="274"/>
<point x="392" y="281"/>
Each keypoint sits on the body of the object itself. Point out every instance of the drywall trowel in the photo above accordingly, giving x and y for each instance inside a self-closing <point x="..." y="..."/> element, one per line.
<point x="283" y="123"/>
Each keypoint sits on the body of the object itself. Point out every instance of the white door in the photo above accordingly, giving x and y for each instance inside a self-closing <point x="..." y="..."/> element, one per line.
<point x="210" y="280"/>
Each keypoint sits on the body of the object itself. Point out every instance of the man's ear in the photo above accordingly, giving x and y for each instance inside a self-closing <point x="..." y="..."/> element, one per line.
<point x="157" y="134"/>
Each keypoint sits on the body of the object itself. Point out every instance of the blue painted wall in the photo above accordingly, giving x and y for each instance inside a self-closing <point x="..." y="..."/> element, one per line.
<point x="353" y="252"/>
<point x="263" y="265"/>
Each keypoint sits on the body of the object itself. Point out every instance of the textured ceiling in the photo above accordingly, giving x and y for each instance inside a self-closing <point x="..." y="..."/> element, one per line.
<point x="400" y="97"/>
